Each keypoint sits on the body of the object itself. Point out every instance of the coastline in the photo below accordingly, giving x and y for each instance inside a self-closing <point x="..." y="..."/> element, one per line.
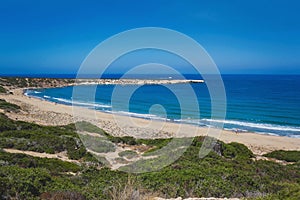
<point x="48" y="113"/>
<point x="133" y="81"/>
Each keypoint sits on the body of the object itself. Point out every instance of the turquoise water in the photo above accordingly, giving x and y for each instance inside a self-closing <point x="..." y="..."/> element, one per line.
<point x="266" y="104"/>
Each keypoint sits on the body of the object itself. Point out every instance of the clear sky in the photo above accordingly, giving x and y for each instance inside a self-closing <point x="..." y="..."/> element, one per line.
<point x="52" y="36"/>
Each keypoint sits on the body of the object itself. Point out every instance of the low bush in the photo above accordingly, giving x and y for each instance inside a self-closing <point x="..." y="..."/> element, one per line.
<point x="6" y="123"/>
<point x="227" y="171"/>
<point x="88" y="127"/>
<point x="32" y="140"/>
<point x="2" y="90"/>
<point x="8" y="107"/>
<point x="49" y="139"/>
<point x="62" y="195"/>
<point x="97" y="144"/>
<point x="235" y="150"/>
<point x="125" y="140"/>
<point x="128" y="154"/>
<point x="20" y="183"/>
<point x="26" y="161"/>
<point x="289" y="156"/>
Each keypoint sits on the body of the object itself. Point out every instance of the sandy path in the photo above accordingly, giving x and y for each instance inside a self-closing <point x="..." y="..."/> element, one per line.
<point x="60" y="156"/>
<point x="49" y="113"/>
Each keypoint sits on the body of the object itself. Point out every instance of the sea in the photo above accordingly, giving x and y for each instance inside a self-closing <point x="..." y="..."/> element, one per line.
<point x="264" y="104"/>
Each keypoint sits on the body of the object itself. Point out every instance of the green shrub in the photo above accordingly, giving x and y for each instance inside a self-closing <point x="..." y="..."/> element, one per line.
<point x="128" y="154"/>
<point x="49" y="139"/>
<point x="34" y="140"/>
<point x="155" y="142"/>
<point x="289" y="156"/>
<point x="226" y="171"/>
<point x="2" y="90"/>
<point x="286" y="192"/>
<point x="6" y="123"/>
<point x="26" y="161"/>
<point x="236" y="150"/>
<point x="63" y="195"/>
<point x="228" y="151"/>
<point x="8" y="107"/>
<point x="125" y="140"/>
<point x="88" y="127"/>
<point x="97" y="144"/>
<point x="19" y="183"/>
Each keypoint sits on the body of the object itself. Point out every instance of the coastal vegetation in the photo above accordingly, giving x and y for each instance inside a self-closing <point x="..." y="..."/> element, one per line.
<point x="128" y="154"/>
<point x="15" y="82"/>
<point x="53" y="165"/>
<point x="2" y="90"/>
<point x="289" y="156"/>
<point x="227" y="171"/>
<point x="8" y="107"/>
<point x="32" y="137"/>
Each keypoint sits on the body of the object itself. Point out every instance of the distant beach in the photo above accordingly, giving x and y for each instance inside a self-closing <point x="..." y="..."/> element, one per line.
<point x="259" y="104"/>
<point x="50" y="113"/>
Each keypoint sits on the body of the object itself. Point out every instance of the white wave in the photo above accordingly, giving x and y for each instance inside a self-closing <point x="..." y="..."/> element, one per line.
<point x="268" y="133"/>
<point x="139" y="115"/>
<point x="191" y="121"/>
<point x="32" y="91"/>
<point x="47" y="97"/>
<point x="63" y="100"/>
<point x="82" y="103"/>
<point x="256" y="125"/>
<point x="235" y="129"/>
<point x="41" y="98"/>
<point x="27" y="92"/>
<point x="294" y="136"/>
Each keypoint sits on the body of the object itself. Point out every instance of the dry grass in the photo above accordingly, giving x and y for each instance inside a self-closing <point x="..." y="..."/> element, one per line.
<point x="130" y="191"/>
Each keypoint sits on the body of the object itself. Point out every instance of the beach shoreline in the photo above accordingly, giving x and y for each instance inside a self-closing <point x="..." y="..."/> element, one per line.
<point x="49" y="113"/>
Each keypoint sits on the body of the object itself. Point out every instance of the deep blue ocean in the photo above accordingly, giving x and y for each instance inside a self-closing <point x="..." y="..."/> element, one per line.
<point x="266" y="104"/>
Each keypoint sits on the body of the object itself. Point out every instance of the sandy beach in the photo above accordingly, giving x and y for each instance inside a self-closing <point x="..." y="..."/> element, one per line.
<point x="49" y="113"/>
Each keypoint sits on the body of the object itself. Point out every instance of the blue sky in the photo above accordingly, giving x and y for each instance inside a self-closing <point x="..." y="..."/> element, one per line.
<point x="241" y="36"/>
